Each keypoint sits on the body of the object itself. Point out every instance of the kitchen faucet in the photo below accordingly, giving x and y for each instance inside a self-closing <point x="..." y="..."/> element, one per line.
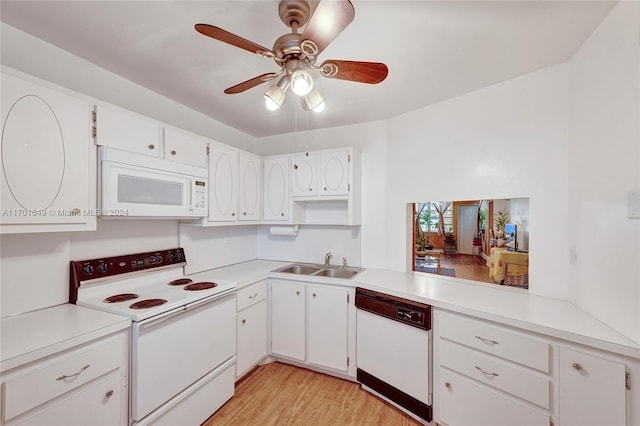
<point x="327" y="258"/>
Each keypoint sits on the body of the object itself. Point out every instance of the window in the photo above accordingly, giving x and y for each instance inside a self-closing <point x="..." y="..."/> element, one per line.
<point x="429" y="217"/>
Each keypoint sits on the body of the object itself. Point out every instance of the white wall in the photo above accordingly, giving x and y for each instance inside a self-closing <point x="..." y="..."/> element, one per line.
<point x="505" y="141"/>
<point x="311" y="244"/>
<point x="604" y="164"/>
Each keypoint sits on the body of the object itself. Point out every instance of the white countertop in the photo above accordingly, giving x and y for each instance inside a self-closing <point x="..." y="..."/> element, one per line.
<point x="552" y="317"/>
<point x="33" y="335"/>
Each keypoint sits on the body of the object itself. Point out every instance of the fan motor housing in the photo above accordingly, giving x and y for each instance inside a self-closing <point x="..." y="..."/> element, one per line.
<point x="294" y="12"/>
<point x="287" y="45"/>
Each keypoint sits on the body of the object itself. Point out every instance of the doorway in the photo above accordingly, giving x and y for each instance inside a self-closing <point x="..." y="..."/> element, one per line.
<point x="467" y="227"/>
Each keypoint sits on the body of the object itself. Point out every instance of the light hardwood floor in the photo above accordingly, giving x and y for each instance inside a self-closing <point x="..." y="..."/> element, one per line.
<point x="281" y="394"/>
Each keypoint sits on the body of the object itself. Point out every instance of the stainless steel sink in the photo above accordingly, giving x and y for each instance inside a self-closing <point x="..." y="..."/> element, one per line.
<point x="337" y="273"/>
<point x="330" y="271"/>
<point x="298" y="269"/>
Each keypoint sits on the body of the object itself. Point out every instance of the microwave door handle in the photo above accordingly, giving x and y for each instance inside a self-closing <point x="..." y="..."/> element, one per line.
<point x="192" y="194"/>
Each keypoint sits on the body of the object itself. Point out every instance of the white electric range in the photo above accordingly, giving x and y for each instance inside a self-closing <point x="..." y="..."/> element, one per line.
<point x="183" y="335"/>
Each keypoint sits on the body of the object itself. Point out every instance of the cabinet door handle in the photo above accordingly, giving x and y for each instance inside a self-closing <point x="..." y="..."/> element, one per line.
<point x="325" y="188"/>
<point x="447" y="385"/>
<point x="576" y="366"/>
<point x="244" y="213"/>
<point x="233" y="214"/>
<point x="173" y="152"/>
<point x="491" y="342"/>
<point x="485" y="373"/>
<point x="297" y="293"/>
<point x="109" y="393"/>
<point x="282" y="214"/>
<point x="71" y="376"/>
<point x="254" y="296"/>
<point x="244" y="321"/>
<point x="310" y="189"/>
<point x="314" y="295"/>
<point x="152" y="146"/>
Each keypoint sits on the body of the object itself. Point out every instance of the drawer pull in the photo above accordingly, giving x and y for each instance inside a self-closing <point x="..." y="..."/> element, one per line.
<point x="485" y="373"/>
<point x="576" y="366"/>
<point x="491" y="342"/>
<point x="254" y="296"/>
<point x="71" y="376"/>
<point x="109" y="393"/>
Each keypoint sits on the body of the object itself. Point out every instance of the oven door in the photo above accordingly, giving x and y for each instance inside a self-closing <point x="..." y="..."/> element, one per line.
<point x="172" y="351"/>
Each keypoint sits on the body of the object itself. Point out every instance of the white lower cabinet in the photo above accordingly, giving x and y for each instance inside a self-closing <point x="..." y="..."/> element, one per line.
<point x="592" y="389"/>
<point x="288" y="319"/>
<point x="84" y="385"/>
<point x="327" y="318"/>
<point x="314" y="324"/>
<point x="251" y="327"/>
<point x="492" y="374"/>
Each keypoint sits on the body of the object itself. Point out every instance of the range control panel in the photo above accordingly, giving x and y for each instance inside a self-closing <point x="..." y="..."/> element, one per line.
<point x="84" y="270"/>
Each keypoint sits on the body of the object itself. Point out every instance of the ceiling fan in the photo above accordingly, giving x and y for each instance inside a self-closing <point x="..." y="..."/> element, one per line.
<point x="296" y="53"/>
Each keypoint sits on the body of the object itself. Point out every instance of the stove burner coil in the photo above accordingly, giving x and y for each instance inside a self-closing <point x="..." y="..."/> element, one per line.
<point x="148" y="303"/>
<point x="120" y="297"/>
<point x="200" y="286"/>
<point x="181" y="281"/>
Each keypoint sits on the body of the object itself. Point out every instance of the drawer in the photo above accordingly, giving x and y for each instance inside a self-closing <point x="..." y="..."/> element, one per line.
<point x="97" y="405"/>
<point x="496" y="340"/>
<point x="465" y="402"/>
<point x="252" y="295"/>
<point x="49" y="379"/>
<point x="495" y="372"/>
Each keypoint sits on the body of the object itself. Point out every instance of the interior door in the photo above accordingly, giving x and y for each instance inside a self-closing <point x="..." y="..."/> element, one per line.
<point x="467" y="223"/>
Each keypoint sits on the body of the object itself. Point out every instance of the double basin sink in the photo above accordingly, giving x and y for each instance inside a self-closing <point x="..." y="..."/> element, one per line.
<point x="331" y="271"/>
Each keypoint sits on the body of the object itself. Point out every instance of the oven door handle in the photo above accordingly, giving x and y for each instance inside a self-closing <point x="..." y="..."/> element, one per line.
<point x="181" y="310"/>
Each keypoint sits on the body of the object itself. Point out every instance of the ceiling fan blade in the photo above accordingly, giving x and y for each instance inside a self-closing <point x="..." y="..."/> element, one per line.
<point x="362" y="72"/>
<point x="246" y="85"/>
<point x="232" y="39"/>
<point x="327" y="21"/>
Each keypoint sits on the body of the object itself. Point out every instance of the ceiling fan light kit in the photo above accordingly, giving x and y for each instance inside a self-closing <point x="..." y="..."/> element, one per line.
<point x="296" y="54"/>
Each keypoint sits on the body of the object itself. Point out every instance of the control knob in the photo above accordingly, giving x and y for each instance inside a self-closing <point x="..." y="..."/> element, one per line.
<point x="88" y="269"/>
<point x="170" y="257"/>
<point x="102" y="267"/>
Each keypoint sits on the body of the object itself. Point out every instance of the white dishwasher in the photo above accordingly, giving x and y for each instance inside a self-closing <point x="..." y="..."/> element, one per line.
<point x="394" y="350"/>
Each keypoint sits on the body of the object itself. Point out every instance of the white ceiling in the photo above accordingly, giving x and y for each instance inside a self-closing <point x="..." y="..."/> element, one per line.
<point x="435" y="50"/>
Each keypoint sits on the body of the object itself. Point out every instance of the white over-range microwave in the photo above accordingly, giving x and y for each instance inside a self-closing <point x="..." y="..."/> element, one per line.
<point x="135" y="185"/>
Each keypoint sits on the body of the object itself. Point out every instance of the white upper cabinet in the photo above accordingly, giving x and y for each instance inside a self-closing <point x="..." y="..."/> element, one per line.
<point x="277" y="201"/>
<point x="48" y="160"/>
<point x="125" y="130"/>
<point x="250" y="187"/>
<point x="223" y="179"/>
<point x="321" y="173"/>
<point x="185" y="148"/>
<point x="333" y="172"/>
<point x="304" y="171"/>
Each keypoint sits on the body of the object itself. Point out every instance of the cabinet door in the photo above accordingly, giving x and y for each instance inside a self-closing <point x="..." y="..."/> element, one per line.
<point x="333" y="177"/>
<point x="252" y="336"/>
<point x="288" y="319"/>
<point x="223" y="179"/>
<point x="127" y="131"/>
<point x="592" y="390"/>
<point x="304" y="175"/>
<point x="48" y="161"/>
<point x="328" y="326"/>
<point x="276" y="189"/>
<point x="185" y="148"/>
<point x="250" y="198"/>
